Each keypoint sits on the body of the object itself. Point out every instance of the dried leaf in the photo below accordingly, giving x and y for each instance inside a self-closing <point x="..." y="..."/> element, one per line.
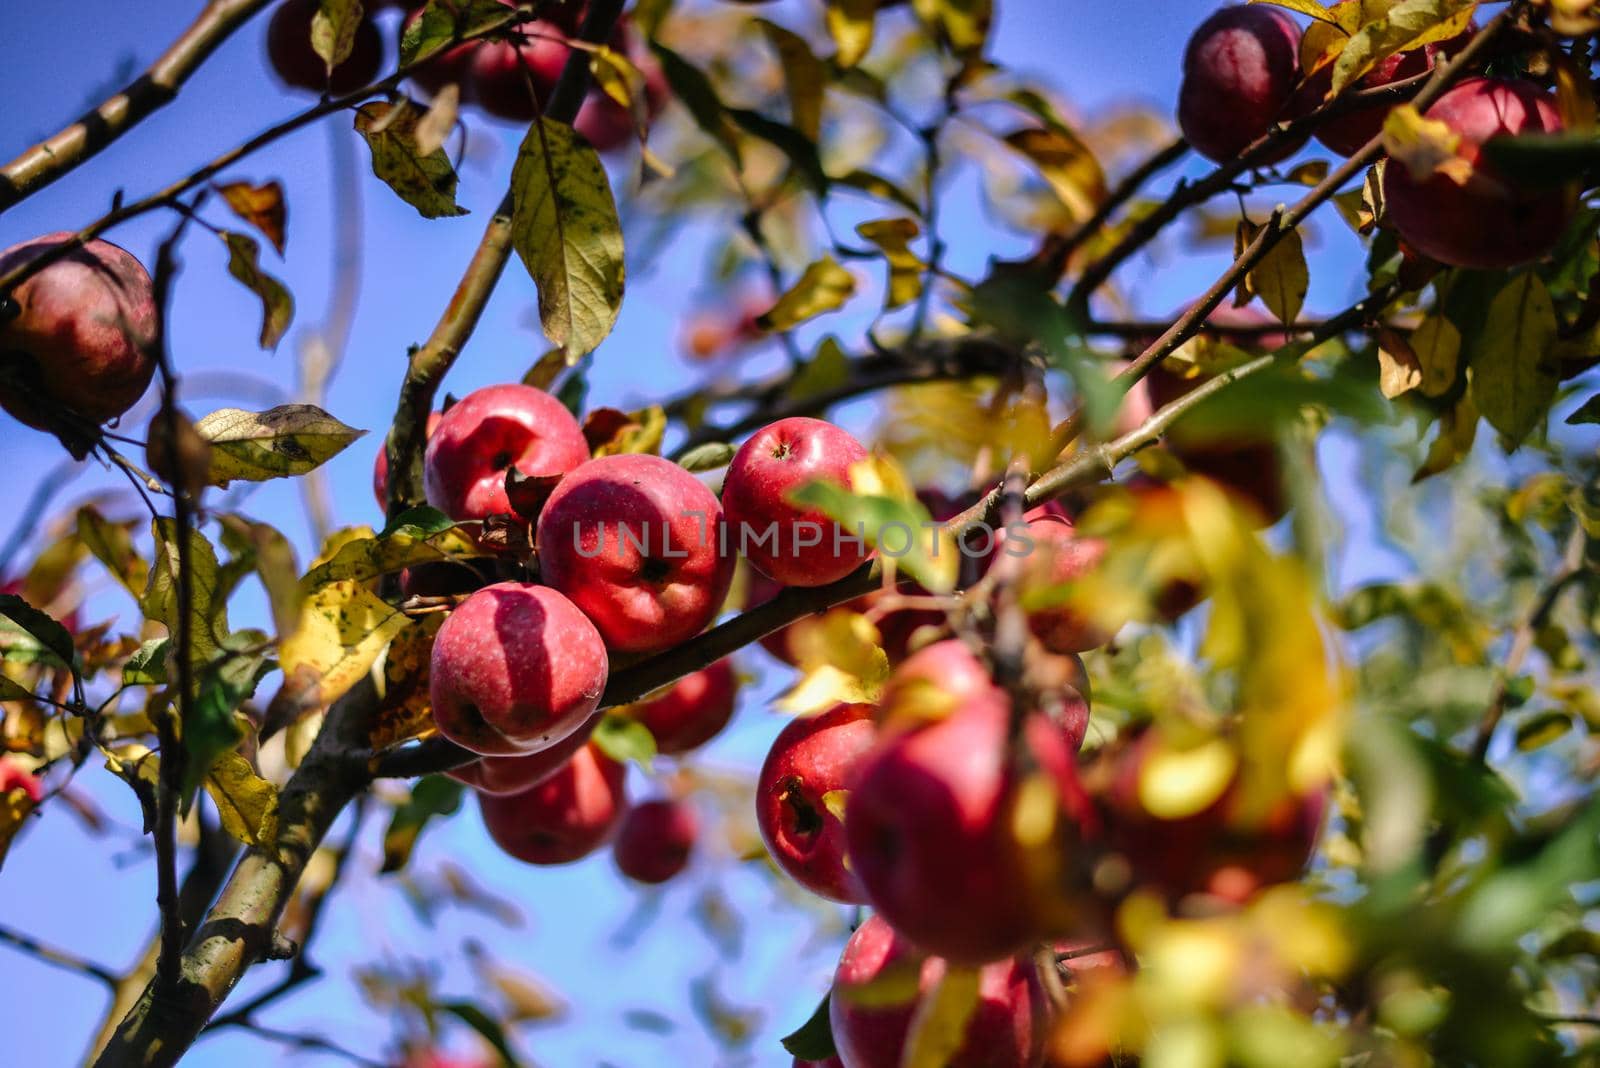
<point x="262" y="206"/>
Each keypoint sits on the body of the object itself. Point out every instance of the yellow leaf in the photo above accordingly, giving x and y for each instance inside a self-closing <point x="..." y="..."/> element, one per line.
<point x="1513" y="377"/>
<point x="343" y="627"/>
<point x="565" y="229"/>
<point x="1174" y="783"/>
<point x="404" y="711"/>
<point x="803" y="75"/>
<point x="1437" y="345"/>
<point x="642" y="433"/>
<point x="1309" y="8"/>
<point x="246" y="803"/>
<point x="1409" y="24"/>
<point x="938" y="1026"/>
<point x="823" y="287"/>
<point x="1457" y="429"/>
<point x="1398" y="368"/>
<point x="850" y="24"/>
<point x="1423" y="146"/>
<point x="290" y="439"/>
<point x="1067" y="165"/>
<point x="1281" y="278"/>
<point x="893" y="237"/>
<point x="840" y="660"/>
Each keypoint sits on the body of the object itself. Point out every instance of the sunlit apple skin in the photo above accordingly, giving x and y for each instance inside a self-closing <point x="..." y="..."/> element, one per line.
<point x="1213" y="852"/>
<point x="929" y="835"/>
<point x="637" y="543"/>
<point x="656" y="840"/>
<point x="693" y="710"/>
<point x="1239" y="72"/>
<point x="779" y="458"/>
<point x="1006" y="1029"/>
<point x="950" y="672"/>
<point x="297" y="63"/>
<point x="505" y="775"/>
<point x="81" y="339"/>
<point x="812" y="757"/>
<point x="380" y="463"/>
<point x="500" y="72"/>
<point x="566" y="817"/>
<point x="515" y="669"/>
<point x="488" y="431"/>
<point x="13" y="777"/>
<point x="1052" y="553"/>
<point x="1484" y="223"/>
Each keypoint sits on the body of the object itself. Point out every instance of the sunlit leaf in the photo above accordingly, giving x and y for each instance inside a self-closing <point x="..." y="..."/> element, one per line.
<point x="1437" y="345"/>
<point x="288" y="440"/>
<point x="262" y="206"/>
<point x="246" y="803"/>
<point x="1514" y="379"/>
<point x="1423" y="146"/>
<point x="1409" y="24"/>
<point x="893" y="237"/>
<point x="707" y="457"/>
<point x="424" y="179"/>
<point x="343" y="628"/>
<point x="823" y="287"/>
<point x="1066" y="164"/>
<point x="277" y="306"/>
<point x="625" y="740"/>
<point x="803" y="75"/>
<point x="1281" y="278"/>
<point x="333" y="30"/>
<point x="403" y="544"/>
<point x="851" y="25"/>
<point x="938" y="1028"/>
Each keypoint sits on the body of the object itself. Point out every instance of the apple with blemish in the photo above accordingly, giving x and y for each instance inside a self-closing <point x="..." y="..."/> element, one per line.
<point x="1006" y="1028"/>
<point x="503" y="775"/>
<point x="814" y="757"/>
<point x="692" y="710"/>
<point x="488" y="432"/>
<point x="638" y="543"/>
<point x="564" y="818"/>
<point x="656" y="840"/>
<point x="80" y="340"/>
<point x="790" y="543"/>
<point x="515" y="669"/>
<point x="297" y="63"/>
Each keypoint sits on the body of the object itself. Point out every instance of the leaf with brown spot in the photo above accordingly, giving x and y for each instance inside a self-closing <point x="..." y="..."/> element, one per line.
<point x="404" y="711"/>
<point x="425" y="180"/>
<point x="262" y="206"/>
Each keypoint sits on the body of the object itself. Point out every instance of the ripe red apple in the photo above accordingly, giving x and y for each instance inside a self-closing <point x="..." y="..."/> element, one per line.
<point x="504" y="775"/>
<point x="692" y="710"/>
<point x="449" y="67"/>
<point x="929" y="833"/>
<point x="794" y="545"/>
<point x="945" y="673"/>
<point x="812" y="757"/>
<point x="637" y="543"/>
<point x="656" y="840"/>
<point x="1239" y="72"/>
<point x="564" y="818"/>
<point x="1006" y="1030"/>
<point x="81" y="340"/>
<point x="297" y="63"/>
<point x="1051" y="554"/>
<point x="13" y="777"/>
<point x="1216" y="851"/>
<point x="606" y="124"/>
<point x="380" y="463"/>
<point x="831" y="1062"/>
<point x="1484" y="223"/>
<point x="488" y="431"/>
<point x="513" y="80"/>
<point x="515" y="669"/>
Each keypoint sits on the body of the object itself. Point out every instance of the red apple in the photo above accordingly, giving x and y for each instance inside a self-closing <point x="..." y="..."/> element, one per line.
<point x="514" y="80"/>
<point x="606" y="124"/>
<point x="81" y="339"/>
<point x="692" y="710"/>
<point x="796" y="546"/>
<point x="297" y="63"/>
<point x="1052" y="554"/>
<point x="1006" y="1029"/>
<point x="656" y="840"/>
<point x="503" y="775"/>
<point x="831" y="1062"/>
<point x="812" y="757"/>
<point x="449" y="67"/>
<point x="1484" y="223"/>
<point x="515" y="669"/>
<point x="1239" y="72"/>
<point x="929" y="833"/>
<point x="380" y="463"/>
<point x="637" y="542"/>
<point x="564" y="818"/>
<point x="945" y="676"/>
<point x="13" y="777"/>
<point x="488" y="431"/>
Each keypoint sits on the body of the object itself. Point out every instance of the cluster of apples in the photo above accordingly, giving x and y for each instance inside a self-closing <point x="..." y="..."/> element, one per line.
<point x="508" y="79"/>
<point x="1248" y="68"/>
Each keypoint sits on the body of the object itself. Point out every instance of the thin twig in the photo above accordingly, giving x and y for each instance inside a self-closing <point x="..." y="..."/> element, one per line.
<point x="58" y="957"/>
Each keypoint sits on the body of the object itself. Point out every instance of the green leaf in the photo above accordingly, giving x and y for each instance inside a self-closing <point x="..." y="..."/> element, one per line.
<point x="112" y="545"/>
<point x="1409" y="24"/>
<point x="939" y="1022"/>
<point x="148" y="666"/>
<point x="159" y="601"/>
<point x="812" y="1040"/>
<point x="1542" y="729"/>
<point x="893" y="238"/>
<point x="707" y="457"/>
<point x="624" y="739"/>
<point x="1437" y="344"/>
<point x="51" y="636"/>
<point x="564" y="226"/>
<point x="333" y="30"/>
<point x="827" y="370"/>
<point x="486" y="1026"/>
<point x="899" y="529"/>
<point x="1587" y="412"/>
<point x="277" y="306"/>
<point x="851" y="25"/>
<point x="804" y="76"/>
<point x="1545" y="159"/>
<point x="424" y="179"/>
<point x="400" y="546"/>
<point x="226" y="682"/>
<point x="443" y="22"/>
<point x="433" y="795"/>
<point x="690" y="86"/>
<point x="280" y="442"/>
<point x="823" y="287"/>
<point x="1514" y="380"/>
<point x="246" y="803"/>
<point x="264" y="550"/>
<point x="801" y="150"/>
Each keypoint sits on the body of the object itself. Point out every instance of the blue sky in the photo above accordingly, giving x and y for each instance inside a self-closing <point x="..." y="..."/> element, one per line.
<point x="96" y="896"/>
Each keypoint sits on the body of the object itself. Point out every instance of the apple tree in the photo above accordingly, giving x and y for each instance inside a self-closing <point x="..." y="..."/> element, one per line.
<point x="1084" y="750"/>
